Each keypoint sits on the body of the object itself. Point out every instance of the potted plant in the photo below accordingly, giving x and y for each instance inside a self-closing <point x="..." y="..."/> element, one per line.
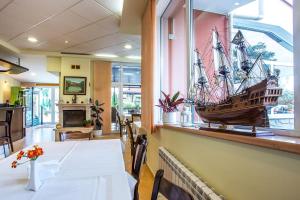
<point x="87" y="123"/>
<point x="97" y="110"/>
<point x="169" y="105"/>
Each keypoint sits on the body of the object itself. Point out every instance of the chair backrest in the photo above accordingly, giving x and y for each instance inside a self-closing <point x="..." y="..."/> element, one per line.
<point x="114" y="115"/>
<point x="74" y="135"/>
<point x="9" y="115"/>
<point x="135" y="117"/>
<point x="139" y="156"/>
<point x="118" y="118"/>
<point x="168" y="189"/>
<point x="130" y="134"/>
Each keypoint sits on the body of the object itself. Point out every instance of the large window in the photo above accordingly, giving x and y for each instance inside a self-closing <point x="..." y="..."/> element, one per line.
<point x="267" y="26"/>
<point x="174" y="48"/>
<point x="126" y="88"/>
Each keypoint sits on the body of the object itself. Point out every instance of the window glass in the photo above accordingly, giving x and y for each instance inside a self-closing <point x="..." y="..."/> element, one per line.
<point x="131" y="75"/>
<point x="131" y="99"/>
<point x="271" y="35"/>
<point x="126" y="88"/>
<point x="116" y="74"/>
<point x="267" y="27"/>
<point x="174" y="48"/>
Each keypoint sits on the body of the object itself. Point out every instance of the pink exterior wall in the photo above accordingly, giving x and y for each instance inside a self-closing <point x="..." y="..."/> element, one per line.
<point x="204" y="23"/>
<point x="177" y="54"/>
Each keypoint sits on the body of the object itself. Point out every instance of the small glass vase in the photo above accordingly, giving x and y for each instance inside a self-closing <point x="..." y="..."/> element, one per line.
<point x="34" y="181"/>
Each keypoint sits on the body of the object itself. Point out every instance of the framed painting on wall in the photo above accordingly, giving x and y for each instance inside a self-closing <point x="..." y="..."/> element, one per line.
<point x="74" y="85"/>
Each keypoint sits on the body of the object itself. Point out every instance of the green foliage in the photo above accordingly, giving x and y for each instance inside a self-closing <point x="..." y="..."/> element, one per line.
<point x="261" y="48"/>
<point x="287" y="98"/>
<point x="114" y="100"/>
<point x="97" y="110"/>
<point x="87" y="122"/>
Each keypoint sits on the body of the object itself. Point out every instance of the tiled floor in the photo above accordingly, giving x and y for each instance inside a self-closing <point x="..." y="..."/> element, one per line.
<point x="46" y="134"/>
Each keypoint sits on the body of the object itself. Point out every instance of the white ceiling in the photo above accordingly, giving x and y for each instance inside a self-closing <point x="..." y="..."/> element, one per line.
<point x="219" y="6"/>
<point x="89" y="26"/>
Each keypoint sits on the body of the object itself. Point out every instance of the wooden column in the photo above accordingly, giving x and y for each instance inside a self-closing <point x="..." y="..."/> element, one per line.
<point x="102" y="90"/>
<point x="148" y="60"/>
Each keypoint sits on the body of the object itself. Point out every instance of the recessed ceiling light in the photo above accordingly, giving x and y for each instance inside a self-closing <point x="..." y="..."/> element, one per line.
<point x="128" y="46"/>
<point x="66" y="41"/>
<point x="32" y="39"/>
<point x="33" y="74"/>
<point x="237" y="3"/>
<point x="134" y="57"/>
<point x="106" y="55"/>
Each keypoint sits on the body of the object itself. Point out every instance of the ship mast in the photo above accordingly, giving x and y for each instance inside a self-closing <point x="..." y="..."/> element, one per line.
<point x="201" y="84"/>
<point x="223" y="68"/>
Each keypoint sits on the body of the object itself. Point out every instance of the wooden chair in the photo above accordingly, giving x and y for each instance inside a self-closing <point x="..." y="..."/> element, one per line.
<point x="167" y="189"/>
<point x="74" y="135"/>
<point x="7" y="126"/>
<point x="131" y="137"/>
<point x="121" y="124"/>
<point x="137" y="161"/>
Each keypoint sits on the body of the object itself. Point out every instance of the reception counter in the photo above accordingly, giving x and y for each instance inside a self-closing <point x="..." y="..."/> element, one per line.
<point x="17" y="124"/>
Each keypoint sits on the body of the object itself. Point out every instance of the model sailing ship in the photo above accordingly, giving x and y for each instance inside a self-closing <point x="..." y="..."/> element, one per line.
<point x="222" y="101"/>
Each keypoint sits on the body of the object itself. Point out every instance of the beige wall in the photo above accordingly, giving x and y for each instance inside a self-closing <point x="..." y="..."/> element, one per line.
<point x="84" y="71"/>
<point x="5" y="83"/>
<point x="53" y="64"/>
<point x="102" y="90"/>
<point x="237" y="171"/>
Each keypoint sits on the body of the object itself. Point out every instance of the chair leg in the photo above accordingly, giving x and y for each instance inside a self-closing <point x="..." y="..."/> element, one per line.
<point x="4" y="150"/>
<point x="10" y="140"/>
<point x="121" y="131"/>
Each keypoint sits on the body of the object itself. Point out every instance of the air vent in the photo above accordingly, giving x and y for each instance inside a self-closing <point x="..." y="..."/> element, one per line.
<point x="78" y="54"/>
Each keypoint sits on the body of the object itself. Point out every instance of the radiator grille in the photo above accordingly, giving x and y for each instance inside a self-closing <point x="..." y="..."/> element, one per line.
<point x="179" y="174"/>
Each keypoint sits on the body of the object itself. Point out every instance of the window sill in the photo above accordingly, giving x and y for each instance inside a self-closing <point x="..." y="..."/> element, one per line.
<point x="277" y="142"/>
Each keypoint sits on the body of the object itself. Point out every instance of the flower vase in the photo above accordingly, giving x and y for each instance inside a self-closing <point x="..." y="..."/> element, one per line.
<point x="34" y="181"/>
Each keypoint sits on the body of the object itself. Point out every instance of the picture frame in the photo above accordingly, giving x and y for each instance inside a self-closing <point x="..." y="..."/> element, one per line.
<point x="74" y="85"/>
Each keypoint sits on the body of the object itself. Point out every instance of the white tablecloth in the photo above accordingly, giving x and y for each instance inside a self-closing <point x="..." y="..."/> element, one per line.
<point x="88" y="170"/>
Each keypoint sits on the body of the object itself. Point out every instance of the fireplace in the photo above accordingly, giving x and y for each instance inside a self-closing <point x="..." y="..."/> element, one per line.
<point x="73" y="118"/>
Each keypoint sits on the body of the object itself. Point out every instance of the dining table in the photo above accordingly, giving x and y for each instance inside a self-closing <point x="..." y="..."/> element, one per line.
<point x="87" y="170"/>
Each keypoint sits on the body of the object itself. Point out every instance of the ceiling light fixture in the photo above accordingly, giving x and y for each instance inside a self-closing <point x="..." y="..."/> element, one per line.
<point x="106" y="55"/>
<point x="128" y="46"/>
<point x="134" y="57"/>
<point x="32" y="39"/>
<point x="236" y="3"/>
<point x="66" y="42"/>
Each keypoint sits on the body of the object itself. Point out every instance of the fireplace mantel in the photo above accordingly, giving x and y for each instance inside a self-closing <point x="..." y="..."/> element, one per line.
<point x="73" y="106"/>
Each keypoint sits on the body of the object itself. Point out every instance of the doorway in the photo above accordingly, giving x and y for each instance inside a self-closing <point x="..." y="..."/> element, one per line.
<point x="41" y="105"/>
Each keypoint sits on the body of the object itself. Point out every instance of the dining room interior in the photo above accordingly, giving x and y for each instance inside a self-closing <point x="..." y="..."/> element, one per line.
<point x="149" y="99"/>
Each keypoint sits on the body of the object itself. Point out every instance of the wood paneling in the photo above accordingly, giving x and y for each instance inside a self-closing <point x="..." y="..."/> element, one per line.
<point x="148" y="44"/>
<point x="102" y="90"/>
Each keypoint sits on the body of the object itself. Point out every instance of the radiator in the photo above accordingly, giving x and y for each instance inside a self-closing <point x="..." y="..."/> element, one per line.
<point x="180" y="175"/>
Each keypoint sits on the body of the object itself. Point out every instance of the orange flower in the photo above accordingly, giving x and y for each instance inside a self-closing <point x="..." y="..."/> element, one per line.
<point x="20" y="155"/>
<point x="31" y="154"/>
<point x="14" y="164"/>
<point x="39" y="151"/>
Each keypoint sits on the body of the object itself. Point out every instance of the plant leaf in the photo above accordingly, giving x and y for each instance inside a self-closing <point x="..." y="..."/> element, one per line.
<point x="175" y="96"/>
